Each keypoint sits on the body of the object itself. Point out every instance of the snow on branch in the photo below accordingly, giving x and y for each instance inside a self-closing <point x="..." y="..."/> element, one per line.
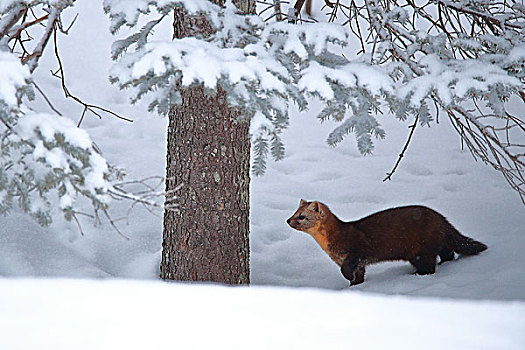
<point x="40" y="152"/>
<point x="127" y="12"/>
<point x="13" y="77"/>
<point x="464" y="57"/>
<point x="46" y="161"/>
<point x="262" y="66"/>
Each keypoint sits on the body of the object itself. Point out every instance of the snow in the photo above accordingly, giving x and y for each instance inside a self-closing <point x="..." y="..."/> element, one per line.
<point x="202" y="62"/>
<point x="517" y="54"/>
<point x="49" y="125"/>
<point x="314" y="80"/>
<point x="60" y="289"/>
<point x="258" y="124"/>
<point x="128" y="11"/>
<point x="316" y="77"/>
<point x="54" y="157"/>
<point x="297" y="36"/>
<point x="32" y="126"/>
<point x="77" y="314"/>
<point x="12" y="77"/>
<point x="5" y="4"/>
<point x="456" y="79"/>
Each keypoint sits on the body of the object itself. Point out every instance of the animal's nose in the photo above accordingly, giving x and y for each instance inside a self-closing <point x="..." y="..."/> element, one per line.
<point x="289" y="220"/>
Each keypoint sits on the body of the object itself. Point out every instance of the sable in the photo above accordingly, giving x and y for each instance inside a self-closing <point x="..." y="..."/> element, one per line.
<point x="414" y="233"/>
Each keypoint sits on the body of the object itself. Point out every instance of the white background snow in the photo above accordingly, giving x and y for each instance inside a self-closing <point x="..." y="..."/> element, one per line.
<point x="471" y="303"/>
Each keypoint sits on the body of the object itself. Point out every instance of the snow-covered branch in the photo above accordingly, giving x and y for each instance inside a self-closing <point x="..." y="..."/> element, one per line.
<point x="46" y="161"/>
<point x="451" y="54"/>
<point x="465" y="57"/>
<point x="40" y="152"/>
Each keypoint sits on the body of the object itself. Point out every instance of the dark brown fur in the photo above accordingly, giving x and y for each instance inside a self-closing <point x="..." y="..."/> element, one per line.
<point x="414" y="233"/>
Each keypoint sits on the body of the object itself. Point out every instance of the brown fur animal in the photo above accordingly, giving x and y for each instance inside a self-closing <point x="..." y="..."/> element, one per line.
<point x="414" y="233"/>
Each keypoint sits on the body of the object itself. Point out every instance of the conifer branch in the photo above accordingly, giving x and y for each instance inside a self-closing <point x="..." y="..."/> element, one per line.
<point x="451" y="53"/>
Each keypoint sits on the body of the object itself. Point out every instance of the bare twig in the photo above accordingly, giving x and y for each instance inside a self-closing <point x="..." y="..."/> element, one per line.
<point x="150" y="196"/>
<point x="87" y="107"/>
<point x="490" y="20"/>
<point x="66" y="31"/>
<point x="78" y="224"/>
<point x="46" y="98"/>
<point x="402" y="154"/>
<point x="112" y="223"/>
<point x="26" y="25"/>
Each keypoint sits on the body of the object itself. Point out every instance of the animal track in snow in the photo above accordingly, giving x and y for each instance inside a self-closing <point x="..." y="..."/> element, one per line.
<point x="418" y="171"/>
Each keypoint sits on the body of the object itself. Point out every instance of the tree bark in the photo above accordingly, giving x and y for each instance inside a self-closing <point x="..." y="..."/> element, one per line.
<point x="208" y="152"/>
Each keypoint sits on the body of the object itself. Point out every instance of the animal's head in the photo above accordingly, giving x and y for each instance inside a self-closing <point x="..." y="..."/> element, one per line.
<point x="309" y="215"/>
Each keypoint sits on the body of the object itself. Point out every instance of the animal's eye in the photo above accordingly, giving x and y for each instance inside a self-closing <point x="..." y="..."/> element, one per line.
<point x="301" y="217"/>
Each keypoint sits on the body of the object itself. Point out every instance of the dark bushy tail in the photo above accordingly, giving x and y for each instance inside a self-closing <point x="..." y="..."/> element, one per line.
<point x="462" y="244"/>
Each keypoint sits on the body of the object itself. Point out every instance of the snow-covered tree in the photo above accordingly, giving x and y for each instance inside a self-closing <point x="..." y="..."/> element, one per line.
<point x="43" y="157"/>
<point x="46" y="161"/>
<point x="414" y="59"/>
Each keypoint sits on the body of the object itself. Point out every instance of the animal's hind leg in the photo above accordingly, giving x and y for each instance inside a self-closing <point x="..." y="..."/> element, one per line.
<point x="424" y="264"/>
<point x="445" y="255"/>
<point x="353" y="269"/>
<point x="359" y="274"/>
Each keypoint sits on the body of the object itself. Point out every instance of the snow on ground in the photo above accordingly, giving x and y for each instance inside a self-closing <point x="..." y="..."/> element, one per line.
<point x="434" y="172"/>
<point x="76" y="314"/>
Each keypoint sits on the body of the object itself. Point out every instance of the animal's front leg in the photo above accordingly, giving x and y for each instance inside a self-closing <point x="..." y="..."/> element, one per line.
<point x="353" y="269"/>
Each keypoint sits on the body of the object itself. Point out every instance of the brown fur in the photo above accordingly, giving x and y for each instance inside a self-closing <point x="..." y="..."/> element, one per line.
<point x="414" y="233"/>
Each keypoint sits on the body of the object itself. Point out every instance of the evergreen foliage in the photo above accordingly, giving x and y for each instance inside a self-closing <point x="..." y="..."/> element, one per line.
<point x="462" y="57"/>
<point x="44" y="158"/>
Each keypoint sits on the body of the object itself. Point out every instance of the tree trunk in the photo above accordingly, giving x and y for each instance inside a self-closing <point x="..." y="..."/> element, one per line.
<point x="209" y="154"/>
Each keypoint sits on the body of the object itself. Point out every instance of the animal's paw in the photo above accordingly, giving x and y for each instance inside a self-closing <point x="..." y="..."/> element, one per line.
<point x="356" y="282"/>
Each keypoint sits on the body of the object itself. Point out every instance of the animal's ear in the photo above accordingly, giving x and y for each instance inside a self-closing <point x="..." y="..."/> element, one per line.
<point x="322" y="209"/>
<point x="314" y="206"/>
<point x="302" y="202"/>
